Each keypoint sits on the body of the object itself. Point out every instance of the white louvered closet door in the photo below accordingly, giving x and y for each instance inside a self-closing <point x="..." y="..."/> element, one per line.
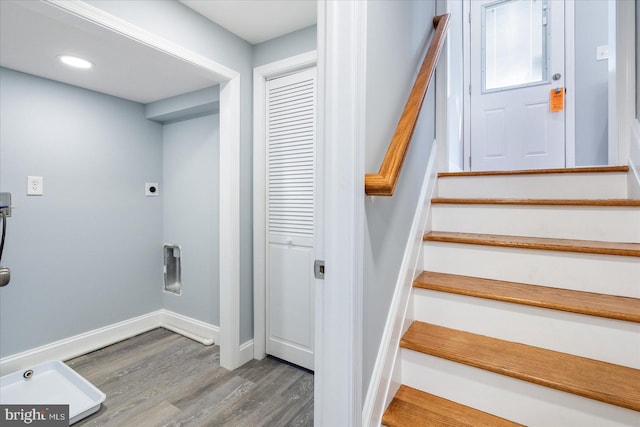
<point x="291" y="159"/>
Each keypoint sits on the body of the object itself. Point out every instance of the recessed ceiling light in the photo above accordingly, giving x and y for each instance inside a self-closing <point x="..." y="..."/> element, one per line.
<point x="74" y="61"/>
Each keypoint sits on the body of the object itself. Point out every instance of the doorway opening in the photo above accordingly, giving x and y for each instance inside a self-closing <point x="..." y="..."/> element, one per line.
<point x="82" y="16"/>
<point x="509" y="78"/>
<point x="287" y="221"/>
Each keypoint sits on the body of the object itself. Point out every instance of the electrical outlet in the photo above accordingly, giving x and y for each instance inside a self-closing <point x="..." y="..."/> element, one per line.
<point x="35" y="186"/>
<point x="151" y="189"/>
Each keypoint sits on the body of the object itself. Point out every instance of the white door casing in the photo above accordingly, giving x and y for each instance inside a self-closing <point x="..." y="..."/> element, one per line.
<point x="261" y="75"/>
<point x="342" y="46"/>
<point x="290" y="216"/>
<point x="516" y="59"/>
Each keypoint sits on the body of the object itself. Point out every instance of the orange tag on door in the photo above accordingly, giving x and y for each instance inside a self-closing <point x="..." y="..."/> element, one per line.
<point x="556" y="99"/>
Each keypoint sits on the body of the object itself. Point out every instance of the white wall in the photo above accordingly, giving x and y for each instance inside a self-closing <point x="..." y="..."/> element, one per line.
<point x="393" y="58"/>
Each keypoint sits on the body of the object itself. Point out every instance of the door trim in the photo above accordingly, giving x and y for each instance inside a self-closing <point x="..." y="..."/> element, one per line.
<point x="260" y="76"/>
<point x="466" y="84"/>
<point x="229" y="223"/>
<point x="449" y="91"/>
<point x="342" y="70"/>
<point x="622" y="80"/>
<point x="570" y="82"/>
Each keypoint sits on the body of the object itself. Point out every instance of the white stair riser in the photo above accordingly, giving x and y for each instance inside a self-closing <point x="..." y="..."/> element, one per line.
<point x="612" y="224"/>
<point x="506" y="397"/>
<point x="609" y="340"/>
<point x="543" y="186"/>
<point x="607" y="274"/>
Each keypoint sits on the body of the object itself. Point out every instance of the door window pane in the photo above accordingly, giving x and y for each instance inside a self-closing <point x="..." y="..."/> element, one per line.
<point x="514" y="43"/>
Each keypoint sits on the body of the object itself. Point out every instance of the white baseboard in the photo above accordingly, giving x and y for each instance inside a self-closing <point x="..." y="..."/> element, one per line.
<point x="246" y="352"/>
<point x="86" y="342"/>
<point x="77" y="345"/>
<point x="633" y="186"/>
<point x="380" y="389"/>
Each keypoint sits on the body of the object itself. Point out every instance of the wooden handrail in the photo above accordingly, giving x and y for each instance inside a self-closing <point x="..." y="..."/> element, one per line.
<point x="384" y="182"/>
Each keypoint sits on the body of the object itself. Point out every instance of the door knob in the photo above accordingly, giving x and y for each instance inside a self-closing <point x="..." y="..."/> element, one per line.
<point x="557" y="76"/>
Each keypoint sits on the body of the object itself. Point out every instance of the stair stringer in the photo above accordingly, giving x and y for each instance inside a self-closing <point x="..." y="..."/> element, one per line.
<point x="386" y="376"/>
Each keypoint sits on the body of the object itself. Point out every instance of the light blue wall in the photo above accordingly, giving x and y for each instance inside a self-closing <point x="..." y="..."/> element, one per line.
<point x="190" y="165"/>
<point x="393" y="57"/>
<point x="180" y="24"/>
<point x="190" y="197"/>
<point x="591" y="31"/>
<point x="637" y="60"/>
<point x="286" y="46"/>
<point x="199" y="103"/>
<point x="87" y="253"/>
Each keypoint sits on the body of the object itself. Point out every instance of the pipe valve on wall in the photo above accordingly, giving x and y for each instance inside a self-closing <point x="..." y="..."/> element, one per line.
<point x="5" y="276"/>
<point x="5" y="212"/>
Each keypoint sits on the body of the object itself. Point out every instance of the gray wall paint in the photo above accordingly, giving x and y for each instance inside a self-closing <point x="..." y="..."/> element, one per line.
<point x="199" y="103"/>
<point x="591" y="31"/>
<point x="87" y="253"/>
<point x="291" y="44"/>
<point x="180" y="24"/>
<point x="190" y="165"/>
<point x="638" y="60"/>
<point x="393" y="57"/>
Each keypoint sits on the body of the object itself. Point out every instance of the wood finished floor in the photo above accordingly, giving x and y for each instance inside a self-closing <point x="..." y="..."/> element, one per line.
<point x="164" y="379"/>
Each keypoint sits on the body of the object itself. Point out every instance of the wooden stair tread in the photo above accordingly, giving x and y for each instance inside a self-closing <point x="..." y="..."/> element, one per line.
<point x="594" y="379"/>
<point x="589" y="303"/>
<point x="540" y="243"/>
<point x="539" y="171"/>
<point x="535" y="202"/>
<point x="414" y="408"/>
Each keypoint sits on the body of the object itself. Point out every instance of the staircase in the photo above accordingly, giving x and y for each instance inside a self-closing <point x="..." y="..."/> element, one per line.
<point x="528" y="311"/>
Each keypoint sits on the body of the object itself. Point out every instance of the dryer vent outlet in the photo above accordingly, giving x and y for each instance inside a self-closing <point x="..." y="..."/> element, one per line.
<point x="172" y="269"/>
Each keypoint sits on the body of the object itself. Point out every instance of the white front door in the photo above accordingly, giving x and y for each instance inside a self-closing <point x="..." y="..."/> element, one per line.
<point x="291" y="216"/>
<point x="516" y="61"/>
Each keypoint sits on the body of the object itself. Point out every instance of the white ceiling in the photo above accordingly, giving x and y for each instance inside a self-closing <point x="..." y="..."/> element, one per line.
<point x="257" y="21"/>
<point x="33" y="34"/>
